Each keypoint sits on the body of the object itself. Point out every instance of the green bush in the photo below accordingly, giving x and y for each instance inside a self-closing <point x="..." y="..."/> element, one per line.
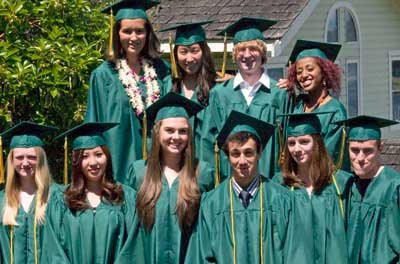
<point x="47" y="50"/>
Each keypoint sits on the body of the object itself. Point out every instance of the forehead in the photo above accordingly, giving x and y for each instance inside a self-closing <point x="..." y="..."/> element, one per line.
<point x="96" y="149"/>
<point x="133" y="23"/>
<point x="175" y="122"/>
<point x="249" y="144"/>
<point x="24" y="151"/>
<point x="306" y="61"/>
<point x="363" y="144"/>
<point x="193" y="46"/>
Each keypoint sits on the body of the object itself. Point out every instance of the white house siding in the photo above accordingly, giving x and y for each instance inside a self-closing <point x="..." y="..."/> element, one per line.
<point x="379" y="33"/>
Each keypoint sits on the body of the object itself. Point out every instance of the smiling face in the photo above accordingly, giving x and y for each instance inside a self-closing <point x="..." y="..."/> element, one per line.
<point x="309" y="74"/>
<point x="364" y="157"/>
<point x="244" y="159"/>
<point x="132" y="35"/>
<point x="249" y="58"/>
<point x="189" y="58"/>
<point x="25" y="161"/>
<point x="94" y="164"/>
<point x="301" y="149"/>
<point x="174" y="136"/>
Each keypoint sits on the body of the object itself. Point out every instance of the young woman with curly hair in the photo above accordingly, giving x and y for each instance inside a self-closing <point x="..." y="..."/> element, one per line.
<point x="314" y="73"/>
<point x="170" y="182"/>
<point x="320" y="191"/>
<point x="95" y="213"/>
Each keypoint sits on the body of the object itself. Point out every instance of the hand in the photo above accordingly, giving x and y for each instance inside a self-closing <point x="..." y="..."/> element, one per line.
<point x="284" y="84"/>
<point x="226" y="77"/>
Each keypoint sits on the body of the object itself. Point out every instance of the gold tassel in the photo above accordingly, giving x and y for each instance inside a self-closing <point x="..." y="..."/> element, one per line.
<point x="174" y="68"/>
<point x="339" y="163"/>
<point x="110" y="47"/>
<point x="144" y="136"/>
<point x="1" y="162"/>
<point x="224" y="57"/>
<point x="280" y="141"/>
<point x="216" y="156"/>
<point x="65" y="160"/>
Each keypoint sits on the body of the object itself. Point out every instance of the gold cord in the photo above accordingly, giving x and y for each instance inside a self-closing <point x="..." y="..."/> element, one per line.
<point x="339" y="195"/>
<point x="233" y="222"/>
<point x="216" y="157"/>
<point x="65" y="160"/>
<point x="339" y="163"/>
<point x="110" y="47"/>
<point x="174" y="68"/>
<point x="223" y="70"/>
<point x="144" y="136"/>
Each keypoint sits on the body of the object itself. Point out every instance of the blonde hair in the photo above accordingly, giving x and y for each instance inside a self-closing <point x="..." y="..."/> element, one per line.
<point x="12" y="189"/>
<point x="188" y="200"/>
<point x="259" y="44"/>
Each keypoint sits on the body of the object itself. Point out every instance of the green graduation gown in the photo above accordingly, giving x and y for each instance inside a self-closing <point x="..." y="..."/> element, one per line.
<point x="373" y="228"/>
<point x="197" y="122"/>
<point x="96" y="236"/>
<point x="266" y="105"/>
<point x="108" y="102"/>
<point x="212" y="242"/>
<point x="321" y="218"/>
<point x="331" y="133"/>
<point x="165" y="243"/>
<point x="24" y="245"/>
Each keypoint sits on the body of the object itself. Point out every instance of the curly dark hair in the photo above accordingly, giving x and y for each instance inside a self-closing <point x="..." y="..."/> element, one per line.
<point x="330" y="71"/>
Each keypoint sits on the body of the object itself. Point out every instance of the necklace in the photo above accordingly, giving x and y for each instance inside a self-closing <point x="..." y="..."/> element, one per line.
<point x="315" y="106"/>
<point x="130" y="80"/>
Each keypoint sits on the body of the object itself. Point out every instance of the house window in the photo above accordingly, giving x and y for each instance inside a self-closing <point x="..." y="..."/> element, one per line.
<point x="275" y="73"/>
<point x="395" y="67"/>
<point x="333" y="27"/>
<point x="352" y="88"/>
<point x="341" y="25"/>
<point x="350" y="33"/>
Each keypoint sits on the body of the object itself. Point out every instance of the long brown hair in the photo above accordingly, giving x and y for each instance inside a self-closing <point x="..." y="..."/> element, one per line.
<point x="321" y="168"/>
<point x="12" y="189"/>
<point x="205" y="77"/>
<point x="151" y="49"/>
<point x="75" y="195"/>
<point x="188" y="201"/>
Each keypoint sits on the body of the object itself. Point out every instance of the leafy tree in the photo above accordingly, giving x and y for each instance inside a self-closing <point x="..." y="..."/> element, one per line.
<point x="47" y="50"/>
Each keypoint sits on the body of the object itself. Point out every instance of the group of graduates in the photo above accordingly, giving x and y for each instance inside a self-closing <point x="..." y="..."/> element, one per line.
<point x="175" y="164"/>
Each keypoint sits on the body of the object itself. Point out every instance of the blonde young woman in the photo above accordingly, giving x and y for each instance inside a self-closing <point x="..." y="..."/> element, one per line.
<point x="170" y="182"/>
<point x="26" y="195"/>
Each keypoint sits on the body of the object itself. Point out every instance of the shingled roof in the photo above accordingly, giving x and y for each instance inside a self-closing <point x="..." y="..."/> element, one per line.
<point x="224" y="12"/>
<point x="391" y="153"/>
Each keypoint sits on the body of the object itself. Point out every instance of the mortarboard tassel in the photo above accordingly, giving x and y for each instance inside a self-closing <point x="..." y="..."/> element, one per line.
<point x="144" y="136"/>
<point x="280" y="141"/>
<point x="1" y="162"/>
<point x="224" y="57"/>
<point x="174" y="68"/>
<point x="339" y="163"/>
<point x="110" y="47"/>
<point x="65" y="160"/>
<point x="216" y="156"/>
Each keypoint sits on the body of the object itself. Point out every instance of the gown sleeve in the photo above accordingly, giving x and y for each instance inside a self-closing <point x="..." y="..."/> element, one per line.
<point x="394" y="224"/>
<point x="200" y="250"/>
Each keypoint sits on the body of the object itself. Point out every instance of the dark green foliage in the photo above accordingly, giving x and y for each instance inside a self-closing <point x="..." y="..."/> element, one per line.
<point x="47" y="50"/>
